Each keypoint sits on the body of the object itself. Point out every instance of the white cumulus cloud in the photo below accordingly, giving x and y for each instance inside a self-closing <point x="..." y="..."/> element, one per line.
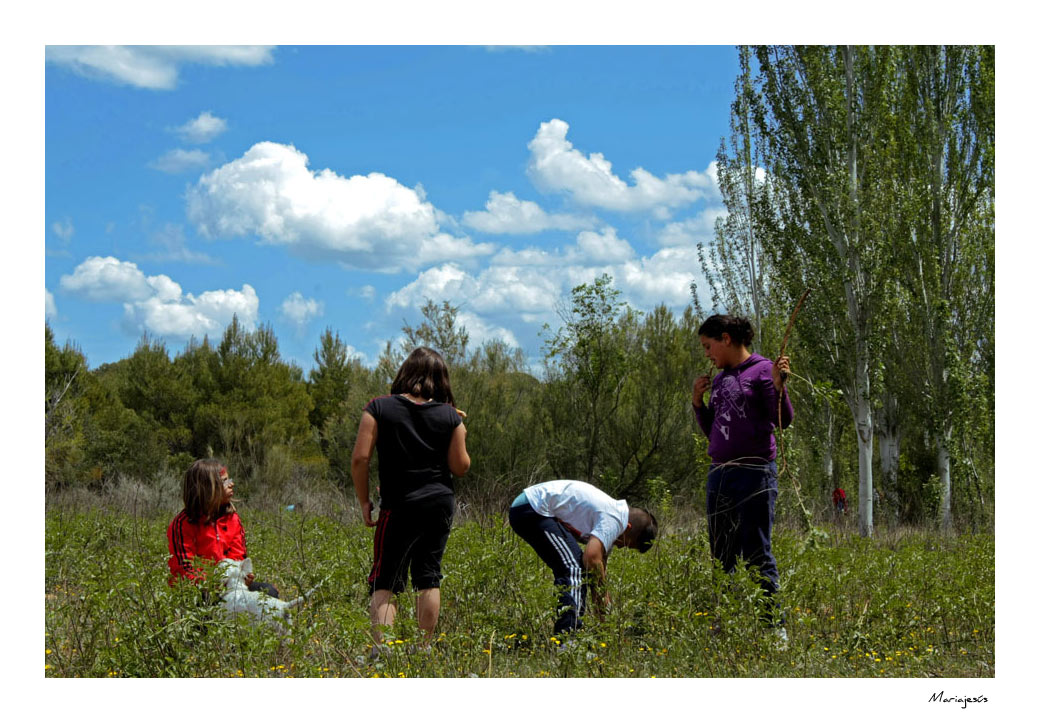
<point x="528" y="282"/>
<point x="495" y="290"/>
<point x="156" y="304"/>
<point x="109" y="279"/>
<point x="496" y="302"/>
<point x="370" y="222"/>
<point x="151" y="66"/>
<point x="591" y="248"/>
<point x="555" y="165"/>
<point x="508" y="214"/>
<point x="480" y="330"/>
<point x="51" y="307"/>
<point x="180" y="160"/>
<point x="183" y="317"/>
<point x="605" y="247"/>
<point x="663" y="278"/>
<point x="692" y="231"/>
<point x="527" y="287"/>
<point x="298" y="310"/>
<point x="202" y="129"/>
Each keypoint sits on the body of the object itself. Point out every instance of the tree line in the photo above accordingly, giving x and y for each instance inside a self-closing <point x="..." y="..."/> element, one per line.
<point x="866" y="174"/>
<point x="863" y="174"/>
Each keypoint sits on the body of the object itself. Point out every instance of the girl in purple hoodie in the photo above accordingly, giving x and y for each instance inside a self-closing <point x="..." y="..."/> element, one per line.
<point x="739" y="420"/>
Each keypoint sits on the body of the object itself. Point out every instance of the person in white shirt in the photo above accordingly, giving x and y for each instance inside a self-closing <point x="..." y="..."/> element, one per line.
<point x="552" y="517"/>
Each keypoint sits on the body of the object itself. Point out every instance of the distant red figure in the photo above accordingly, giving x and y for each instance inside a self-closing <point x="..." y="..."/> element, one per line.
<point x="839" y="500"/>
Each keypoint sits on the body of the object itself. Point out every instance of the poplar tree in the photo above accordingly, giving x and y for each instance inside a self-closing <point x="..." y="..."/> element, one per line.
<point x="946" y="250"/>
<point x="823" y="114"/>
<point x="735" y="262"/>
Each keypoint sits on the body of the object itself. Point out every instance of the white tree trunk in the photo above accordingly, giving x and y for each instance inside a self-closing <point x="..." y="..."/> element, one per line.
<point x="863" y="416"/>
<point x="829" y="465"/>
<point x="888" y="445"/>
<point x="943" y="445"/>
<point x="828" y="449"/>
<point x="890" y="439"/>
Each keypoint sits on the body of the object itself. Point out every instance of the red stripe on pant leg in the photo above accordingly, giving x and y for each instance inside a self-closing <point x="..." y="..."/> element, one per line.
<point x="377" y="561"/>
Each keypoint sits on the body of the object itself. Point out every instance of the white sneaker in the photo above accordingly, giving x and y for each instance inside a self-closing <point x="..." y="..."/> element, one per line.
<point x="780" y="641"/>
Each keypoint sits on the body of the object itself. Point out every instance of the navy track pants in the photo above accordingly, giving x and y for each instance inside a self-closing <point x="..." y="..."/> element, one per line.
<point x="561" y="552"/>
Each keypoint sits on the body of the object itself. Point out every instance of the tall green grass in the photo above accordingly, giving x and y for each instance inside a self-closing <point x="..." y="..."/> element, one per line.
<point x="905" y="604"/>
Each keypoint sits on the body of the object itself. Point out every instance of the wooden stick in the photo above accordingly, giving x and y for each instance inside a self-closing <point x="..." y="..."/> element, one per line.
<point x="812" y="532"/>
<point x="790" y="325"/>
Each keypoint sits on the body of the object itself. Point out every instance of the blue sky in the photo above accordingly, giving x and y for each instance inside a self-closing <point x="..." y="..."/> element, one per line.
<point x="313" y="187"/>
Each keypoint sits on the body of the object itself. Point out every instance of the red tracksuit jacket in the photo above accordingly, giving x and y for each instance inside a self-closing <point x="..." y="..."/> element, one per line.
<point x="214" y="541"/>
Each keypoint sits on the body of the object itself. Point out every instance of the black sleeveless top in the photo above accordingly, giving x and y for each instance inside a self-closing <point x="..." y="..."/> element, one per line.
<point x="412" y="441"/>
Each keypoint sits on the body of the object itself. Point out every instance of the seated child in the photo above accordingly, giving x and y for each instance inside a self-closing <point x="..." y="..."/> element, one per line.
<point x="208" y="527"/>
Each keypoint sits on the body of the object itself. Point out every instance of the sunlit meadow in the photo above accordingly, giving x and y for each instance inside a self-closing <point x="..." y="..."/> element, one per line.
<point x="908" y="603"/>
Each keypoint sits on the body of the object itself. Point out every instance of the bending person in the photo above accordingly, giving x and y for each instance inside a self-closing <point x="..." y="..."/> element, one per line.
<point x="553" y="517"/>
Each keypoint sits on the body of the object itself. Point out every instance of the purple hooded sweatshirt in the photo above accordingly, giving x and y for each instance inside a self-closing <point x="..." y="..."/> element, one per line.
<point x="741" y="413"/>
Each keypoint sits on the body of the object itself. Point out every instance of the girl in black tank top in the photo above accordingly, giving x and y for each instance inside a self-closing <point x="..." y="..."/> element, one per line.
<point x="421" y="441"/>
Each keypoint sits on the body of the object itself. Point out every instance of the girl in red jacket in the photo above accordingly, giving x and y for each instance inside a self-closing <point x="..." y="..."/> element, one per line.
<point x="208" y="528"/>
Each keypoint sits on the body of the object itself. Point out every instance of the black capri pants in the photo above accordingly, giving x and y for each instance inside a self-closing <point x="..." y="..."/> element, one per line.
<point x="411" y="537"/>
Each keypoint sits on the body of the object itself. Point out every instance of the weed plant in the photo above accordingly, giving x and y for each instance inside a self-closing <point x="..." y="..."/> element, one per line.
<point x="907" y="604"/>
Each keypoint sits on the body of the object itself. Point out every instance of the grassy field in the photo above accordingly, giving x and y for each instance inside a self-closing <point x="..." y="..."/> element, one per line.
<point x="908" y="603"/>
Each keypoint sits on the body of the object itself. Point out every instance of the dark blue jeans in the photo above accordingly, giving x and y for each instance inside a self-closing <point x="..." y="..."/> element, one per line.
<point x="561" y="552"/>
<point x="741" y="504"/>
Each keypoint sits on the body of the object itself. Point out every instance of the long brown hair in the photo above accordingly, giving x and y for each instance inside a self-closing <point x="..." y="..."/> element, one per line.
<point x="424" y="374"/>
<point x="203" y="491"/>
